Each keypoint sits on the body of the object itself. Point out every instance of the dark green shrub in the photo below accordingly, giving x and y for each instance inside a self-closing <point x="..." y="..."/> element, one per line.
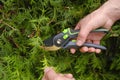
<point x="24" y="24"/>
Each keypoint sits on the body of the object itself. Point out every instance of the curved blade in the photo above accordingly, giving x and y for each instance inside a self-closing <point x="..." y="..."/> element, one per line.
<point x="49" y="41"/>
<point x="50" y="48"/>
<point x="49" y="45"/>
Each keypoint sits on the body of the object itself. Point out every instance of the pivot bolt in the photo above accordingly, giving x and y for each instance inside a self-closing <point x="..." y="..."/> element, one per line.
<point x="59" y="41"/>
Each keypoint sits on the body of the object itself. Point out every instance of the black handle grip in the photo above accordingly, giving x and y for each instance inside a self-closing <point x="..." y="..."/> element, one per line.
<point x="73" y="45"/>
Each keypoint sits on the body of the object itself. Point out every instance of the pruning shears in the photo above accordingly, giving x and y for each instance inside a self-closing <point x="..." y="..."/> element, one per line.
<point x="66" y="40"/>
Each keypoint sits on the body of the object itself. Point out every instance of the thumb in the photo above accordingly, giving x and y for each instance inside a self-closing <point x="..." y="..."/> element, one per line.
<point x="82" y="35"/>
<point x="50" y="74"/>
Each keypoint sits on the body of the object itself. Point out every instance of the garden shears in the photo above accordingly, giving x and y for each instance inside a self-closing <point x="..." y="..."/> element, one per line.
<point x="66" y="40"/>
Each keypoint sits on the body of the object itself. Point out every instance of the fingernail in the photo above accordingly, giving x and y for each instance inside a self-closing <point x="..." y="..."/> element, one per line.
<point x="79" y="43"/>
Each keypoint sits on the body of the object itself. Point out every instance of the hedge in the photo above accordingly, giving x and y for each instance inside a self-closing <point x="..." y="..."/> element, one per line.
<point x="24" y="24"/>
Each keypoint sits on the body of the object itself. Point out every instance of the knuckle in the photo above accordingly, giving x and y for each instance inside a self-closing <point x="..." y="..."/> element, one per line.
<point x="81" y="34"/>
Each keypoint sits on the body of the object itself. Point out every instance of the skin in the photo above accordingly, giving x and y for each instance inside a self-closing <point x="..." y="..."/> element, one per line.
<point x="50" y="74"/>
<point x="104" y="16"/>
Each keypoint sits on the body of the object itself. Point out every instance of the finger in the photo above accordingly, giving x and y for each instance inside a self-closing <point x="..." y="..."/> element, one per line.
<point x="91" y="49"/>
<point x="50" y="74"/>
<point x="84" y="49"/>
<point x="78" y="25"/>
<point x="96" y="41"/>
<point x="98" y="51"/>
<point x="63" y="78"/>
<point x="60" y="74"/>
<point x="89" y="41"/>
<point x="82" y="35"/>
<point x="43" y="78"/>
<point x="73" y="79"/>
<point x="72" y="50"/>
<point x="68" y="75"/>
<point x="84" y="31"/>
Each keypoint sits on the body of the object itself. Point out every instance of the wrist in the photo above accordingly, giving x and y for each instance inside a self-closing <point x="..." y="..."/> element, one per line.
<point x="111" y="9"/>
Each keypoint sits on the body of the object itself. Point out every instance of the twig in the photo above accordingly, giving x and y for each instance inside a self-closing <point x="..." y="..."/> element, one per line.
<point x="1" y="21"/>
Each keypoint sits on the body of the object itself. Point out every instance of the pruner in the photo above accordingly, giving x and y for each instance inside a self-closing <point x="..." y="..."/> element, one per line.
<point x="66" y="40"/>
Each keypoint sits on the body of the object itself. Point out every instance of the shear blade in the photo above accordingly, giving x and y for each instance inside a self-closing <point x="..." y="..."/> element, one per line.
<point x="49" y="41"/>
<point x="50" y="48"/>
<point x="49" y="45"/>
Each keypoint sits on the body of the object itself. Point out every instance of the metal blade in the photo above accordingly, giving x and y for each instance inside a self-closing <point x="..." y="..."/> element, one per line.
<point x="50" y="48"/>
<point x="49" y="41"/>
<point x="49" y="45"/>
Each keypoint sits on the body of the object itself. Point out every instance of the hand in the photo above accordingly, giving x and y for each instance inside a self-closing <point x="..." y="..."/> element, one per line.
<point x="101" y="17"/>
<point x="86" y="25"/>
<point x="50" y="74"/>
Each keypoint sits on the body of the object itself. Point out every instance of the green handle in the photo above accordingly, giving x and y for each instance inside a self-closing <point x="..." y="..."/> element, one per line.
<point x="70" y="33"/>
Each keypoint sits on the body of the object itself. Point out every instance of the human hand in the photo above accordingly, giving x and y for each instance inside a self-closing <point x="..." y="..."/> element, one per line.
<point x="86" y="25"/>
<point x="101" y="17"/>
<point x="50" y="74"/>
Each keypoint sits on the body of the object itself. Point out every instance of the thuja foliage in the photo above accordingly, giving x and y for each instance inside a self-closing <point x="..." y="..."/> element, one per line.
<point x="24" y="24"/>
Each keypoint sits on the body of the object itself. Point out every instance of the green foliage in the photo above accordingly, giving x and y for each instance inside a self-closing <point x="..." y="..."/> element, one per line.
<point x="24" y="24"/>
